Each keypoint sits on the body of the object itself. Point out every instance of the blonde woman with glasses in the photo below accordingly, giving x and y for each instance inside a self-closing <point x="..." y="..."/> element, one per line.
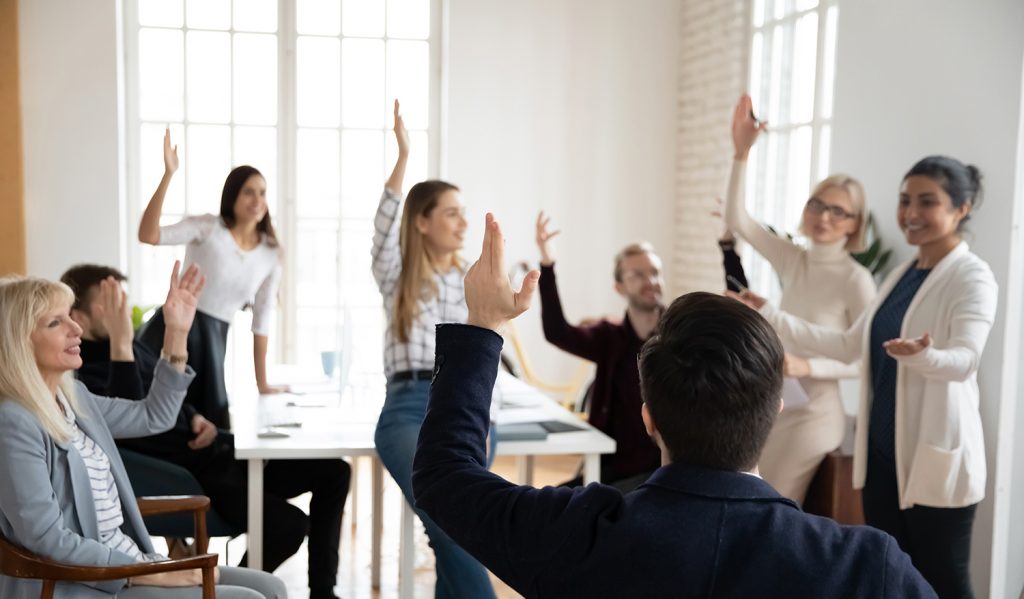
<point x="822" y="284"/>
<point x="64" y="493"/>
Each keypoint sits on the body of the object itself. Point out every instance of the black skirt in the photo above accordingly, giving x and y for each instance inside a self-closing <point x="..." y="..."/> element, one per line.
<point x="207" y="346"/>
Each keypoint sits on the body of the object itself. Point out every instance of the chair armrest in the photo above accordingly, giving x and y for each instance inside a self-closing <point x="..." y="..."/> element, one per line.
<point x="17" y="562"/>
<point x="169" y="504"/>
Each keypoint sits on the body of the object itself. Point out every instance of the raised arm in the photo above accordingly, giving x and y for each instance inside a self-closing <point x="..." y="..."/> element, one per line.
<point x="386" y="253"/>
<point x="583" y="341"/>
<point x="159" y="410"/>
<point x="149" y="226"/>
<point x="517" y="532"/>
<point x="745" y="130"/>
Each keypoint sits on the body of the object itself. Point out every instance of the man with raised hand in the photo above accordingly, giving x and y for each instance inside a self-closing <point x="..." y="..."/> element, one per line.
<point x="703" y="525"/>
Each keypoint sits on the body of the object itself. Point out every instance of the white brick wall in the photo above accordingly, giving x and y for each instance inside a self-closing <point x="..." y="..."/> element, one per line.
<point x="713" y="55"/>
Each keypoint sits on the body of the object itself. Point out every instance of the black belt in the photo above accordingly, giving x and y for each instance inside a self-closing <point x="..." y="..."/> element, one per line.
<point x="411" y="375"/>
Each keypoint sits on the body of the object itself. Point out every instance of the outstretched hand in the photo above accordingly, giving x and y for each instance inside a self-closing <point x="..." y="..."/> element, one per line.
<point x="183" y="298"/>
<point x="749" y="298"/>
<point x="170" y="153"/>
<point x="115" y="313"/>
<point x="907" y="347"/>
<point x="489" y="294"/>
<point x="543" y="237"/>
<point x="745" y="127"/>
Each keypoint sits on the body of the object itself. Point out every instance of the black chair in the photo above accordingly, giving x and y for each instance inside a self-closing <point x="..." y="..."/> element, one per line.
<point x="155" y="477"/>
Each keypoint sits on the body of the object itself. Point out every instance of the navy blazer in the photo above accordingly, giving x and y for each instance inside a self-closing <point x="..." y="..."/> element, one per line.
<point x="686" y="532"/>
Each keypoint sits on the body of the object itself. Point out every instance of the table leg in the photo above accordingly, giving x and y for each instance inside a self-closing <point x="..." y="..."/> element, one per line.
<point x="407" y="552"/>
<point x="254" y="536"/>
<point x="525" y="469"/>
<point x="591" y="468"/>
<point x="377" y="474"/>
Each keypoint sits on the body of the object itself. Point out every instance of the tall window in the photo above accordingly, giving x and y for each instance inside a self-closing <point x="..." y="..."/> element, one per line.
<point x="792" y="72"/>
<point x="302" y="91"/>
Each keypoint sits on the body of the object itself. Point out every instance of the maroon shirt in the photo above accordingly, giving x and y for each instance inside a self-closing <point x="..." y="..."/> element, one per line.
<point x="615" y="397"/>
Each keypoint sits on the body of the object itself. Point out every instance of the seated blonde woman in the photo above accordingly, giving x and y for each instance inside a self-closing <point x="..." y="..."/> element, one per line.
<point x="64" y="493"/>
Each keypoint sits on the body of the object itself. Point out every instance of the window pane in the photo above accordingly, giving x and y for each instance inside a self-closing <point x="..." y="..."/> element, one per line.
<point x="824" y="151"/>
<point x="255" y="15"/>
<point x="318" y="66"/>
<point x="161" y="75"/>
<point x="209" y="161"/>
<point x="255" y="79"/>
<point x="758" y="13"/>
<point x="363" y="18"/>
<point x="317" y="176"/>
<point x="362" y="165"/>
<point x="416" y="170"/>
<point x="805" y="4"/>
<point x="805" y="52"/>
<point x="316" y="247"/>
<point x="318" y="17"/>
<point x="357" y="281"/>
<point x="209" y="76"/>
<point x="409" y="19"/>
<point x="208" y="14"/>
<point x="317" y="332"/>
<point x="368" y="337"/>
<point x="408" y="80"/>
<point x="362" y="84"/>
<point x="782" y="8"/>
<point x="773" y="108"/>
<point x="799" y="175"/>
<point x="828" y="72"/>
<point x="156" y="263"/>
<point x="756" y="62"/>
<point x="160" y="13"/>
<point x="257" y="146"/>
<point x="151" y="167"/>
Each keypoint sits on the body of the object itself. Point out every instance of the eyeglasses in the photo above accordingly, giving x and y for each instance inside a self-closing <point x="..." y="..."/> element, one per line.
<point x="817" y="207"/>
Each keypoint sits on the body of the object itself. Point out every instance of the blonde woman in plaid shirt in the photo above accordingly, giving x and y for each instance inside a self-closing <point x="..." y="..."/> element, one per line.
<point x="420" y="276"/>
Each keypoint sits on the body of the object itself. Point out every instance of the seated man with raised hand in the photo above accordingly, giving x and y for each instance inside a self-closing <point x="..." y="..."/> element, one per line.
<point x="703" y="525"/>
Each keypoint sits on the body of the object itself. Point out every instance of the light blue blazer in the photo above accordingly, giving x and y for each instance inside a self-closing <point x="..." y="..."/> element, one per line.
<point x="46" y="502"/>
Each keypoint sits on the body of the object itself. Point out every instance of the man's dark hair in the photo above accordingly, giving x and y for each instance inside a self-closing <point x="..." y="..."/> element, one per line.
<point x="81" y="278"/>
<point x="712" y="379"/>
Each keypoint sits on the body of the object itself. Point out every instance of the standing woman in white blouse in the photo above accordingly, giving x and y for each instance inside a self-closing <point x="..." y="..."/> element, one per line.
<point x="239" y="252"/>
<point x="420" y="276"/>
<point x="822" y="284"/>
<point x="920" y="453"/>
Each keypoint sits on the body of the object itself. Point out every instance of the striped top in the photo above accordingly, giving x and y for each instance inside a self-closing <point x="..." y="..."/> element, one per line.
<point x="449" y="305"/>
<point x="104" y="490"/>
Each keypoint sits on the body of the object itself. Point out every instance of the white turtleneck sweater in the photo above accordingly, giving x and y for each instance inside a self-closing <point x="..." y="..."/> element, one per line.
<point x="823" y="285"/>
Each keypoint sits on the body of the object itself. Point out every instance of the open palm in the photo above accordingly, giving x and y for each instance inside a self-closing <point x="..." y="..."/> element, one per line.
<point x="182" y="298"/>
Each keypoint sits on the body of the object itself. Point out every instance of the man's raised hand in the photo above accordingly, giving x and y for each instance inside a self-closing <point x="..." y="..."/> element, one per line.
<point x="489" y="295"/>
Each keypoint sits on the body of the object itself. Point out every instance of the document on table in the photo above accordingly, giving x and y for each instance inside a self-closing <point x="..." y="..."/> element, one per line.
<point x="793" y="393"/>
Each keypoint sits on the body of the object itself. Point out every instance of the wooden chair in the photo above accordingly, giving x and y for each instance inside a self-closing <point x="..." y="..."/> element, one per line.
<point x="831" y="492"/>
<point x="570" y="393"/>
<point x="17" y="562"/>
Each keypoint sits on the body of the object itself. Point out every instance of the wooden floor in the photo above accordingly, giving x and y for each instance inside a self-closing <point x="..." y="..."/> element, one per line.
<point x="354" y="571"/>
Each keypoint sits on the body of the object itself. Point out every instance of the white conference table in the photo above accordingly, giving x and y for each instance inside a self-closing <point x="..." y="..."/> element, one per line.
<point x="337" y="425"/>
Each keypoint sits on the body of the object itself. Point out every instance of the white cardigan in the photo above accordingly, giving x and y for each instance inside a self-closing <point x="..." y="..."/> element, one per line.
<point x="940" y="447"/>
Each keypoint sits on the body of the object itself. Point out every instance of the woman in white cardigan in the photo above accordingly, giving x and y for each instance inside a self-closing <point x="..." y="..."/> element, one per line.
<point x="920" y="454"/>
<point x="822" y="284"/>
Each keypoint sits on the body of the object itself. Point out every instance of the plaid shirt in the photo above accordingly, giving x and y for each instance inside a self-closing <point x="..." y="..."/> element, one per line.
<point x="448" y="305"/>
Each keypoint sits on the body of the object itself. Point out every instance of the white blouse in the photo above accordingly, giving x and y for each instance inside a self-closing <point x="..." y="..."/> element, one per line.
<point x="234" y="277"/>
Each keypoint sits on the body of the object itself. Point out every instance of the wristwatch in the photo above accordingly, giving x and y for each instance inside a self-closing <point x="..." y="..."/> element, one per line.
<point x="174" y="360"/>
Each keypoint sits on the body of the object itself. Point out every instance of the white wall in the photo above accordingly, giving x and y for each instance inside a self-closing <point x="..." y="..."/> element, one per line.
<point x="69" y="91"/>
<point x="569" y="107"/>
<point x="920" y="77"/>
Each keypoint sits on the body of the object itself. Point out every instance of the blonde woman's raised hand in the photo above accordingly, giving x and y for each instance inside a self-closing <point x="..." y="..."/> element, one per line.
<point x="544" y="237"/>
<point x="170" y="153"/>
<point x="745" y="127"/>
<point x="401" y="133"/>
<point x="182" y="298"/>
<point x="898" y="348"/>
<point x="489" y="295"/>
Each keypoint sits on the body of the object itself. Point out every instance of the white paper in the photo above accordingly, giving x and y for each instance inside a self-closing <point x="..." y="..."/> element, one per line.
<point x="793" y="393"/>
